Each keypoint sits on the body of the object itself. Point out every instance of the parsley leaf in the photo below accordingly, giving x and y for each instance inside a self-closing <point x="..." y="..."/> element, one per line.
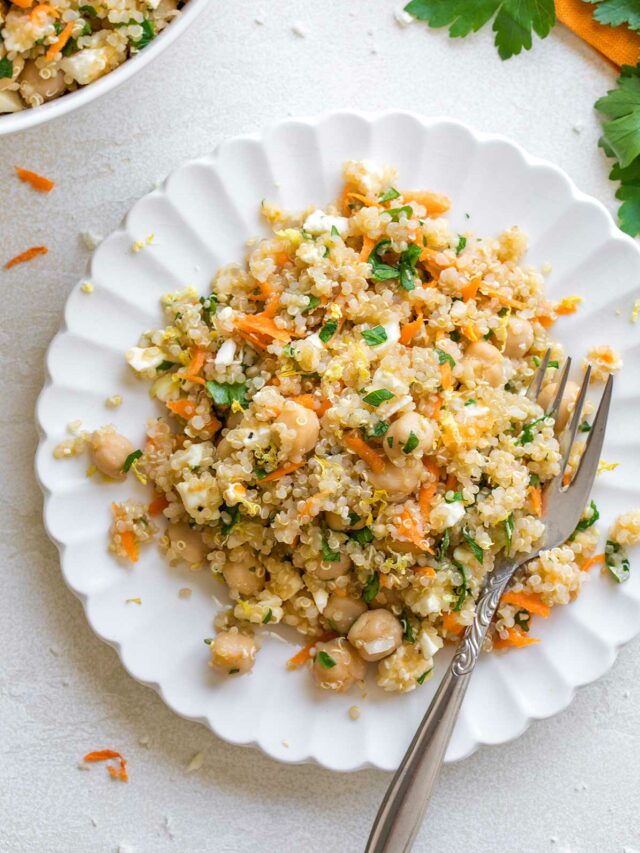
<point x="617" y="12"/>
<point x="363" y="536"/>
<point x="408" y="261"/>
<point x="462" y="242"/>
<point x="224" y="393"/>
<point x="396" y="212"/>
<point x="165" y="365"/>
<point x="380" y="429"/>
<point x="476" y="550"/>
<point x="268" y="617"/>
<point x="314" y="301"/>
<point x="513" y="24"/>
<point x="407" y="628"/>
<point x="523" y="620"/>
<point x="527" y="431"/>
<point x="389" y="195"/>
<point x="374" y="398"/>
<point x="209" y="304"/>
<point x="371" y="587"/>
<point x="443" y="546"/>
<point x="148" y="34"/>
<point x="6" y="68"/>
<point x="131" y="458"/>
<point x="586" y="523"/>
<point x="463" y="590"/>
<point x="455" y="497"/>
<point x="617" y="561"/>
<point x="379" y="270"/>
<point x="585" y="426"/>
<point x="509" y="526"/>
<point x="376" y="336"/>
<point x="411" y="443"/>
<point x="445" y="357"/>
<point x="325" y="660"/>
<point x="88" y="10"/>
<point x="328" y="331"/>
<point x="234" y="515"/>
<point x="421" y="678"/>
<point x="328" y="555"/>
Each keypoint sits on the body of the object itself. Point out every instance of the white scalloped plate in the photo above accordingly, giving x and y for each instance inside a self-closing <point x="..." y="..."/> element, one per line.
<point x="201" y="218"/>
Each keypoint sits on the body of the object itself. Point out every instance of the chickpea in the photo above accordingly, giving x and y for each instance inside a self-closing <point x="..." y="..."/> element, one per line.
<point x="304" y="424"/>
<point x="398" y="482"/>
<point x="187" y="543"/>
<point x="31" y="83"/>
<point x="242" y="576"/>
<point x="519" y="338"/>
<point x="328" y="570"/>
<point x="109" y="451"/>
<point x="376" y="634"/>
<point x="348" y="667"/>
<point x="223" y="449"/>
<point x="232" y="652"/>
<point x="341" y="613"/>
<point x="486" y="362"/>
<point x="400" y="432"/>
<point x="547" y="395"/>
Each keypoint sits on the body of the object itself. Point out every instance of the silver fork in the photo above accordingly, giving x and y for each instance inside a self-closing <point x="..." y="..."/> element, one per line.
<point x="404" y="805"/>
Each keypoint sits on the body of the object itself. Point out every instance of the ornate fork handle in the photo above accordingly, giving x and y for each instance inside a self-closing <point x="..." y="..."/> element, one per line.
<point x="406" y="800"/>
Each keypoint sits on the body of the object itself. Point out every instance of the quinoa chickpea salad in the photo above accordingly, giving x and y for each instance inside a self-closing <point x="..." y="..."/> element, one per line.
<point x="345" y="442"/>
<point x="50" y="48"/>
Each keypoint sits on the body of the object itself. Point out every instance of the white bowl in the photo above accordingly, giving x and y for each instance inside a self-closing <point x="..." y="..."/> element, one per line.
<point x="14" y="122"/>
<point x="201" y="218"/>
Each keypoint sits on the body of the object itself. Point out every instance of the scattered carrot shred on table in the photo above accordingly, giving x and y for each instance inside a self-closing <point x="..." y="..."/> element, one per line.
<point x="38" y="182"/>
<point x="592" y="561"/>
<point x="130" y="545"/>
<point x="28" y="255"/>
<point x="106" y="754"/>
<point x="515" y="638"/>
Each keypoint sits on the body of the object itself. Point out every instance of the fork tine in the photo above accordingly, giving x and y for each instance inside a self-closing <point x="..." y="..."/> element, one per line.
<point x="562" y="384"/>
<point x="538" y="377"/>
<point x="585" y="475"/>
<point x="568" y="436"/>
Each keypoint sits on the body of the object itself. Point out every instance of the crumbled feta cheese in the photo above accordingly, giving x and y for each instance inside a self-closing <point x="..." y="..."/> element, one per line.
<point x="320" y="222"/>
<point x="429" y="642"/>
<point x="142" y="358"/>
<point x="453" y="512"/>
<point x="320" y="596"/>
<point x="86" y="65"/>
<point x="226" y="354"/>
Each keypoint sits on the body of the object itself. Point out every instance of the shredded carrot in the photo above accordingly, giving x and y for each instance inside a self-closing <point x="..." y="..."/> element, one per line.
<point x="592" y="561"/>
<point x="184" y="408"/>
<point x="253" y="340"/>
<point x="436" y="405"/>
<point x="411" y="530"/>
<point x="271" y="306"/>
<point x="31" y="253"/>
<point x="158" y="504"/>
<point x="536" y="500"/>
<point x="369" y="202"/>
<point x="566" y="478"/>
<point x="410" y="330"/>
<point x="367" y="246"/>
<point x="105" y="755"/>
<point x="446" y="377"/>
<point x="259" y="324"/>
<point x="436" y="203"/>
<point x="130" y="545"/>
<point x="545" y="321"/>
<point x="450" y="483"/>
<point x="516" y="638"/>
<point x="38" y="182"/>
<point x="212" y="426"/>
<point x="529" y="601"/>
<point x="426" y="571"/>
<point x="315" y="404"/>
<point x="281" y="258"/>
<point x="470" y="290"/>
<point x="24" y="4"/>
<point x="59" y="44"/>
<point x="470" y="332"/>
<point x="196" y="364"/>
<point x="289" y="468"/>
<point x="432" y="467"/>
<point x="373" y="459"/>
<point x="425" y="496"/>
<point x="343" y="201"/>
<point x="311" y="506"/>
<point x="451" y="624"/>
<point x="501" y="297"/>
<point x="305" y="653"/>
<point x="265" y="292"/>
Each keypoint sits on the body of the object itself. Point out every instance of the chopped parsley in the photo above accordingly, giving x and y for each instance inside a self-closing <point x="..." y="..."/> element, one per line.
<point x="148" y="34"/>
<point x="443" y="546"/>
<point x="314" y="301"/>
<point x="234" y="517"/>
<point x="334" y="231"/>
<point x="476" y="550"/>
<point x="445" y="358"/>
<point x="407" y="268"/>
<point x="396" y="212"/>
<point x="260" y="473"/>
<point x="534" y="480"/>
<point x="411" y="443"/>
<point x="325" y="660"/>
<point x="88" y="10"/>
<point x="586" y="523"/>
<point x="390" y="441"/>
<point x="6" y="68"/>
<point x="503" y="311"/>
<point x="421" y="678"/>
<point x="268" y="617"/>
<point x="380" y="429"/>
<point x="470" y="402"/>
<point x="585" y="426"/>
<point x="363" y="536"/>
<point x="371" y="587"/>
<point x="526" y="435"/>
<point x="208" y="640"/>
<point x="389" y="195"/>
<point x="407" y="629"/>
<point x="522" y="619"/>
<point x="536" y="361"/>
<point x="328" y="555"/>
<point x="615" y="557"/>
<point x="374" y="398"/>
<point x="224" y="393"/>
<point x="455" y="496"/>
<point x="131" y="458"/>
<point x="463" y="590"/>
<point x="328" y="331"/>
<point x="165" y="365"/>
<point x="234" y="671"/>
<point x="509" y="526"/>
<point x="462" y="242"/>
<point x="553" y="363"/>
<point x="209" y="304"/>
<point x="379" y="270"/>
<point x="376" y="336"/>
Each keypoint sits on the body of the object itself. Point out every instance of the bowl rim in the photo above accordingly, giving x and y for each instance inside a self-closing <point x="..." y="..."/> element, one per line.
<point x="15" y="122"/>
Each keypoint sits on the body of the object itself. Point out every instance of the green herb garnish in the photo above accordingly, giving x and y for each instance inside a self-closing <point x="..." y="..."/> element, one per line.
<point x="234" y="671"/>
<point x="131" y="458"/>
<point x="420" y="679"/>
<point x="209" y="304"/>
<point x="148" y="34"/>
<point x="456" y="496"/>
<point x="407" y="629"/>
<point x="476" y="550"/>
<point x="534" y="480"/>
<point x="522" y="619"/>
<point x="268" y="617"/>
<point x="6" y="68"/>
<point x="411" y="443"/>
<point x="371" y="588"/>
<point x="407" y="267"/>
<point x="509" y="526"/>
<point x="165" y="365"/>
<point x="553" y="363"/>
<point x="314" y="301"/>
<point x="389" y="195"/>
<point x="363" y="536"/>
<point x="536" y="361"/>
<point x="328" y="555"/>
<point x="376" y="336"/>
<point x="443" y="546"/>
<point x="585" y="426"/>
<point x="462" y="242"/>
<point x="444" y="357"/>
<point x="325" y="660"/>
<point x="463" y="590"/>
<point x="88" y="10"/>
<point x="234" y="517"/>
<point x="208" y="640"/>
<point x="380" y="429"/>
<point x="224" y="393"/>
<point x="586" y="523"/>
<point x="526" y="435"/>
<point x="379" y="270"/>
<point x="328" y="331"/>
<point x="396" y="212"/>
<point x="470" y="402"/>
<point x="615" y="557"/>
<point x="374" y="398"/>
<point x="334" y="231"/>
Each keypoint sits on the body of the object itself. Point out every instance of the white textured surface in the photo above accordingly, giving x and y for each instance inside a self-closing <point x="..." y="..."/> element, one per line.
<point x="572" y="778"/>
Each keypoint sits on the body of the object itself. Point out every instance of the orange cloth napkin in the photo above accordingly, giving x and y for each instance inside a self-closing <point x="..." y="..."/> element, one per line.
<point x="619" y="44"/>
